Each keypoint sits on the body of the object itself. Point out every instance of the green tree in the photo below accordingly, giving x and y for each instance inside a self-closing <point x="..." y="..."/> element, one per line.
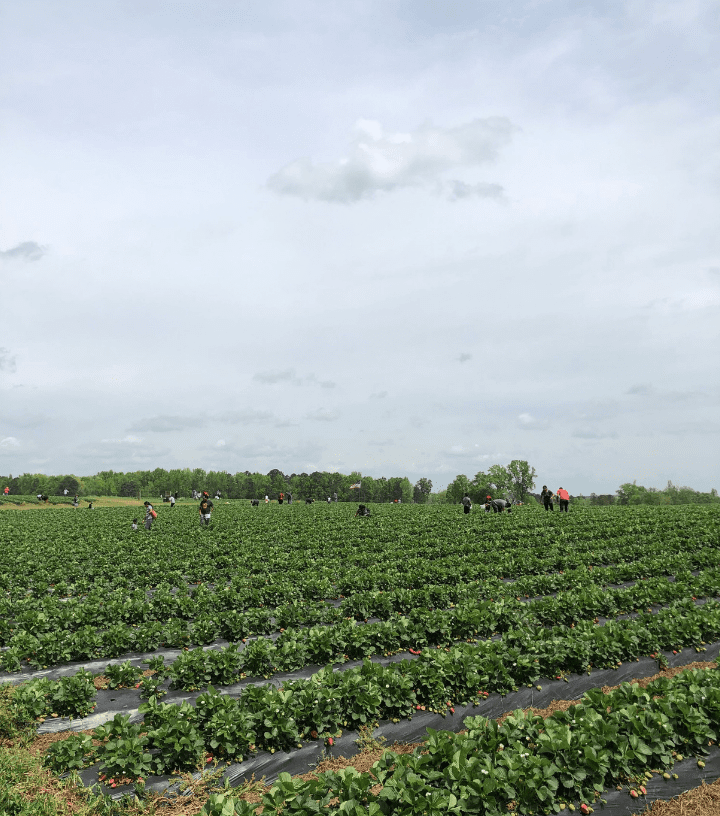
<point x="631" y="493"/>
<point x="481" y="486"/>
<point x="129" y="488"/>
<point x="69" y="483"/>
<point x="521" y="477"/>
<point x="500" y="477"/>
<point x="422" y="491"/>
<point x="458" y="488"/>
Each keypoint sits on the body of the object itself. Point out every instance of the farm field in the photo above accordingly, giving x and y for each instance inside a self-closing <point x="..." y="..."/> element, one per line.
<point x="271" y="639"/>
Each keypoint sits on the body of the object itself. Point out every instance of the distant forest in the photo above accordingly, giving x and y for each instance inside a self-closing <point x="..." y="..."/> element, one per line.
<point x="516" y="479"/>
<point x="245" y="485"/>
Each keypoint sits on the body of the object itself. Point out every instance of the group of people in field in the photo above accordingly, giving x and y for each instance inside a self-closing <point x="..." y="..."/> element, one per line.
<point x="562" y="496"/>
<point x="490" y="505"/>
<point x="503" y="505"/>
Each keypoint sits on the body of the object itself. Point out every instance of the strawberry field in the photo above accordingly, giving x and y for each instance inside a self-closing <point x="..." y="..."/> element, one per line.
<point x="270" y="638"/>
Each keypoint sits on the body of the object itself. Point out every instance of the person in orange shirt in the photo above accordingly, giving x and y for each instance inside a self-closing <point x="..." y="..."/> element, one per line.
<point x="564" y="498"/>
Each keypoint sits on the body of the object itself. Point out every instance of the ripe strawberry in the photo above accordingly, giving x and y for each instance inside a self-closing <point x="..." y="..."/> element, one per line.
<point x="330" y="740"/>
<point x="452" y="710"/>
<point x="643" y="789"/>
<point x="634" y="794"/>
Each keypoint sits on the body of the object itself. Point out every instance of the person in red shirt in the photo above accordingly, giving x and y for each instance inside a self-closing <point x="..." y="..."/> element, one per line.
<point x="564" y="499"/>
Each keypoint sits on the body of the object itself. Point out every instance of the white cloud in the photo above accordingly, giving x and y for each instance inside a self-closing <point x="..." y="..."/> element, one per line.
<point x="165" y="423"/>
<point x="323" y="415"/>
<point x="289" y="376"/>
<point x="220" y="443"/>
<point x="593" y="433"/>
<point x="245" y="417"/>
<point x="380" y="161"/>
<point x="126" y="440"/>
<point x="530" y="423"/>
<point x="9" y="442"/>
<point x="7" y="362"/>
<point x="27" y="251"/>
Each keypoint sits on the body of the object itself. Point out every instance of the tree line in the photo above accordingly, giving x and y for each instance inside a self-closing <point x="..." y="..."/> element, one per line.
<point x="515" y="480"/>
<point x="244" y="485"/>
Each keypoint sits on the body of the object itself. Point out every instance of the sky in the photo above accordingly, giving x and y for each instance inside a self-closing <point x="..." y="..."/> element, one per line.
<point x="400" y="238"/>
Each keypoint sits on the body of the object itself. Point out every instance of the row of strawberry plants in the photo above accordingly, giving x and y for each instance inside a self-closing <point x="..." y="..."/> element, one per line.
<point x="295" y="648"/>
<point x="526" y="765"/>
<point x="83" y="561"/>
<point x="280" y="718"/>
<point x="52" y="614"/>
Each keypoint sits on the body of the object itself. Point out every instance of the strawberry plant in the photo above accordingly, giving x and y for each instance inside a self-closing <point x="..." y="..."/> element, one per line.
<point x="127" y="757"/>
<point x="122" y="675"/>
<point x="71" y="754"/>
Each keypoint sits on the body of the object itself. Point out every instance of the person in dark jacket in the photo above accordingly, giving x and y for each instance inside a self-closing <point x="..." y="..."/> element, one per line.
<point x="467" y="504"/>
<point x="547" y="498"/>
<point x="362" y="511"/>
<point x="206" y="507"/>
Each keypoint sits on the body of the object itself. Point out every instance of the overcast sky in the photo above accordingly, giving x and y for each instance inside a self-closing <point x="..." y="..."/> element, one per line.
<point x="402" y="237"/>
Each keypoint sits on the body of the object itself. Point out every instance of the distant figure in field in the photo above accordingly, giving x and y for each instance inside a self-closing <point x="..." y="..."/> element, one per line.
<point x="334" y="496"/>
<point x="547" y="498"/>
<point x="362" y="511"/>
<point x="6" y="491"/>
<point x="288" y="496"/>
<point x="218" y="495"/>
<point x="488" y="504"/>
<point x="150" y="514"/>
<point x="90" y="506"/>
<point x="309" y="501"/>
<point x="76" y="501"/>
<point x="172" y="501"/>
<point x="467" y="504"/>
<point x="133" y="526"/>
<point x="329" y="499"/>
<point x="267" y="499"/>
<point x="206" y="507"/>
<point x="281" y="498"/>
<point x="563" y="499"/>
<point x="39" y="496"/>
<point x="44" y="498"/>
<point x="65" y="492"/>
<point x="254" y="502"/>
<point x="498" y="505"/>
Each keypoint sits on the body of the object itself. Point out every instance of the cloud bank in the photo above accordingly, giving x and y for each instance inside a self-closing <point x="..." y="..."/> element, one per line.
<point x="384" y="162"/>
